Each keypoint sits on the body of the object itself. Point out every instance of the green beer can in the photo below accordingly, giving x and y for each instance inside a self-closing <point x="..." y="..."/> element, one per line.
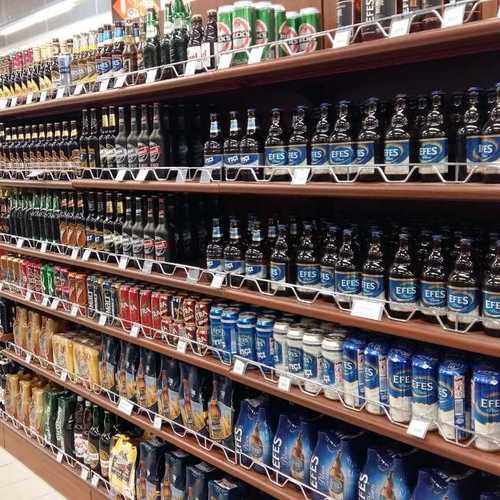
<point x="293" y="24"/>
<point x="224" y="28"/>
<point x="48" y="279"/>
<point x="243" y="29"/>
<point x="310" y="23"/>
<point x="264" y="27"/>
<point x="280" y="27"/>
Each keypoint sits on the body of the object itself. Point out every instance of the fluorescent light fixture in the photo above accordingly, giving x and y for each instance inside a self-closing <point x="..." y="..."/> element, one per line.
<point x="38" y="17"/>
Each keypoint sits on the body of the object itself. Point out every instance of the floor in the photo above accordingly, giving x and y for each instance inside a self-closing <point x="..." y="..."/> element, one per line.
<point x="19" y="482"/>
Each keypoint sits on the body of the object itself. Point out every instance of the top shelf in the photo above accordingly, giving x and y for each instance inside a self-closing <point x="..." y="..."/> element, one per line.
<point x="473" y="37"/>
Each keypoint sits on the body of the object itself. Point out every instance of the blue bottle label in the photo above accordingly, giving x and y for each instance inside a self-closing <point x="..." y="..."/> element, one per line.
<point x="214" y="161"/>
<point x="255" y="270"/>
<point x="435" y="152"/>
<point x="276" y="155"/>
<point x="433" y="294"/>
<point x="397" y="157"/>
<point x="365" y="152"/>
<point x="372" y="285"/>
<point x="264" y="350"/>
<point x="491" y="304"/>
<point x="463" y="300"/>
<point x="117" y="64"/>
<point x="231" y="160"/>
<point x="246" y="343"/>
<point x="234" y="266"/>
<point x="342" y="154"/>
<point x="278" y="271"/>
<point x="319" y="154"/>
<point x="251" y="159"/>
<point x="311" y="365"/>
<point x="403" y="290"/>
<point x="490" y="148"/>
<point x="308" y="274"/>
<point x="295" y="359"/>
<point x="327" y="277"/>
<point x="348" y="282"/>
<point x="215" y="265"/>
<point x="473" y="151"/>
<point x="297" y="154"/>
<point x="278" y="354"/>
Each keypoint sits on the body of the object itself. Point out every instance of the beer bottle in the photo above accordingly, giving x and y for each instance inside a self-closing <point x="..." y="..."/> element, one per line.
<point x="307" y="262"/>
<point x="94" y="158"/>
<point x="456" y="121"/>
<point x="132" y="143"/>
<point x="110" y="142"/>
<point x="433" y="147"/>
<point x="93" y="441"/>
<point x="107" y="52"/>
<point x="403" y="283"/>
<point x="168" y="135"/>
<point x="118" y="225"/>
<point x="120" y="141"/>
<point x="87" y="424"/>
<point x="179" y="39"/>
<point x="127" y="228"/>
<point x="319" y="143"/>
<point x="399" y="145"/>
<point x="143" y="140"/>
<point x="490" y="143"/>
<point x="373" y="270"/>
<point x="251" y="147"/>
<point x="347" y="275"/>
<point x="272" y="231"/>
<point x="161" y="234"/>
<point x="129" y="55"/>
<point x="232" y="147"/>
<point x="157" y="145"/>
<point x="342" y="151"/>
<point x="209" y="40"/>
<point x="103" y="152"/>
<point x="99" y="224"/>
<point x="56" y="146"/>
<point x="422" y="108"/>
<point x="89" y="222"/>
<point x="212" y="150"/>
<point x="80" y="236"/>
<point x="138" y="231"/>
<point x="234" y="253"/>
<point x="84" y="159"/>
<point x="34" y="146"/>
<point x="105" y="446"/>
<point x="26" y="147"/>
<point x="149" y="232"/>
<point x="329" y="259"/>
<point x="181" y="152"/>
<point x="74" y="148"/>
<point x="463" y="288"/>
<point x="117" y="49"/>
<point x="70" y="236"/>
<point x="374" y="13"/>
<point x="423" y="248"/>
<point x="108" y="225"/>
<point x="276" y="148"/>
<point x="491" y="295"/>
<point x="78" y="429"/>
<point x="256" y="259"/>
<point x="215" y="249"/>
<point x="152" y="46"/>
<point x="195" y="39"/>
<point x="298" y="149"/>
<point x="369" y="141"/>
<point x="490" y="252"/>
<point x="430" y="20"/>
<point x="280" y="264"/>
<point x="433" y="281"/>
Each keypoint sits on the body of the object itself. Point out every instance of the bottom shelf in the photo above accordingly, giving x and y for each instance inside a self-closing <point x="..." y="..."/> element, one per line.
<point x="61" y="477"/>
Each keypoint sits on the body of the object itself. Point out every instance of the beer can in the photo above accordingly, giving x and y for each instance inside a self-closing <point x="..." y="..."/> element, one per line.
<point x="81" y="291"/>
<point x="243" y="29"/>
<point x="246" y="335"/>
<point x="226" y="489"/>
<point x="265" y="27"/>
<point x="353" y="363"/>
<point x="216" y="332"/>
<point x="155" y="310"/>
<point x="146" y="319"/>
<point x="188" y="310"/>
<point x="197" y="477"/>
<point x="108" y="300"/>
<point x="230" y="333"/>
<point x="376" y="391"/>
<point x="264" y="344"/>
<point x="72" y="287"/>
<point x="125" y="305"/>
<point x="224" y="28"/>
<point x="201" y="312"/>
<point x="333" y="370"/>
<point x="452" y="399"/>
<point x="486" y="408"/>
<point x="177" y="330"/>
<point x="165" y="309"/>
<point x="178" y="461"/>
<point x="399" y="375"/>
<point x="201" y="337"/>
<point x="293" y="25"/>
<point x="310" y="23"/>
<point x="91" y="296"/>
<point x="280" y="28"/>
<point x="190" y="331"/>
<point x="99" y="294"/>
<point x="424" y="388"/>
<point x="134" y="306"/>
<point x="63" y="278"/>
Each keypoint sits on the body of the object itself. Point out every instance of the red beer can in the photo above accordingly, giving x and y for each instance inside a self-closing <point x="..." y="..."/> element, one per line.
<point x="165" y="298"/>
<point x="201" y="337"/>
<point x="134" y="305"/>
<point x="155" y="310"/>
<point x="201" y="312"/>
<point x="188" y="310"/>
<point x="124" y="299"/>
<point x="190" y="331"/>
<point x="145" y="308"/>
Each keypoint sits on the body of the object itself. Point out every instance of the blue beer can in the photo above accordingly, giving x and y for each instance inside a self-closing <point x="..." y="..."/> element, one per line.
<point x="246" y="335"/>
<point x="230" y="335"/>
<point x="399" y="376"/>
<point x="424" y="388"/>
<point x="264" y="344"/>
<point x="353" y="362"/>
<point x="216" y="333"/>
<point x="376" y="391"/>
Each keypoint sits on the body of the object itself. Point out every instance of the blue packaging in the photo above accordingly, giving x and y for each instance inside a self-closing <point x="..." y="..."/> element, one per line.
<point x="216" y="332"/>
<point x="292" y="447"/>
<point x="353" y="362"/>
<point x="230" y="333"/>
<point x="376" y="389"/>
<point x="246" y="335"/>
<point x="424" y="387"/>
<point x="226" y="489"/>
<point x="434" y="484"/>
<point x="399" y="376"/>
<point x="264" y="342"/>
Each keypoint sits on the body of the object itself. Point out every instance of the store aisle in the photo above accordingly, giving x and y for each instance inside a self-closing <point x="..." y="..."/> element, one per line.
<point x="20" y="483"/>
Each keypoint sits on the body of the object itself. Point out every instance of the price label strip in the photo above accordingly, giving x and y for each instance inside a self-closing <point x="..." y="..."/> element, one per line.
<point x="147" y="266"/>
<point x="60" y="92"/>
<point x="74" y="254"/>
<point x="225" y="60"/>
<point x="95" y="480"/>
<point x="78" y="89"/>
<point x="142" y="174"/>
<point x="29" y="98"/>
<point x="45" y="301"/>
<point x="13" y="102"/>
<point x="120" y="176"/>
<point x="59" y="457"/>
<point x="300" y="175"/>
<point x="151" y="75"/>
<point x="342" y="38"/>
<point x="64" y="375"/>
<point x="120" y="81"/>
<point x="284" y="383"/>
<point x="126" y="406"/>
<point x="28" y="295"/>
<point x="43" y="248"/>
<point x="453" y="15"/>
<point x="239" y="367"/>
<point x="399" y="26"/>
<point x="28" y="357"/>
<point x="193" y="275"/>
<point x="102" y="319"/>
<point x="55" y="304"/>
<point x="190" y="68"/>
<point x="123" y="262"/>
<point x="103" y="85"/>
<point x="20" y="243"/>
<point x="256" y="55"/>
<point x="86" y="255"/>
<point x="157" y="422"/>
<point x="182" y="345"/>
<point x="43" y="95"/>
<point x="369" y="309"/>
<point x="74" y="310"/>
<point x="418" y="428"/>
<point x="217" y="280"/>
<point x="134" y="331"/>
<point x="84" y="474"/>
<point x="181" y="175"/>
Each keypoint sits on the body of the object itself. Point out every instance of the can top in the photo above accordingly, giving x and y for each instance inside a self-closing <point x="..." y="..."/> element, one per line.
<point x="309" y="322"/>
<point x="278" y="7"/>
<point x="313" y="338"/>
<point x="455" y="366"/>
<point x="216" y="312"/>
<point x="223" y="9"/>
<point x="377" y="347"/>
<point x="263" y="5"/>
<point x="292" y="14"/>
<point x="309" y="10"/>
<point x="247" y="320"/>
<point x="295" y="332"/>
<point x="265" y="322"/>
<point x="487" y="376"/>
<point x="281" y="327"/>
<point x="230" y="314"/>
<point x="242" y="3"/>
<point x="424" y="360"/>
<point x="333" y="342"/>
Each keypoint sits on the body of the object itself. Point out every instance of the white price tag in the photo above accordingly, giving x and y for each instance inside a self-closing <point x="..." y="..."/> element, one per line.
<point x="43" y="248"/>
<point x="55" y="304"/>
<point x="123" y="262"/>
<point x="74" y="253"/>
<point x="28" y="295"/>
<point x="134" y="331"/>
<point x="95" y="480"/>
<point x="453" y="15"/>
<point x="13" y="101"/>
<point x="126" y="406"/>
<point x="64" y="376"/>
<point x="120" y="81"/>
<point x="84" y="474"/>
<point x="20" y="243"/>
<point x="60" y="92"/>
<point x="217" y="280"/>
<point x="142" y="174"/>
<point x="193" y="275"/>
<point x="102" y="319"/>
<point x="284" y="383"/>
<point x="300" y="175"/>
<point x="342" y="38"/>
<point x="181" y="175"/>
<point x="369" y="309"/>
<point x="147" y="266"/>
<point x="59" y="457"/>
<point x="190" y="68"/>
<point x="151" y="75"/>
<point x="399" y="26"/>
<point x="182" y="345"/>
<point x="104" y="85"/>
<point x="120" y="175"/>
<point x="418" y="428"/>
<point x="225" y="60"/>
<point x="256" y="55"/>
<point x="45" y="301"/>
<point x="74" y="310"/>
<point x="28" y="357"/>
<point x="205" y="176"/>
<point x="43" y="95"/>
<point x="78" y="89"/>
<point x="239" y="367"/>
<point x="29" y="98"/>
<point x="86" y="255"/>
<point x="157" y="422"/>
<point x="3" y="103"/>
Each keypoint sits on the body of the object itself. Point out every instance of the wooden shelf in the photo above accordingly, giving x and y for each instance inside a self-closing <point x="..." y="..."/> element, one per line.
<point x="19" y="183"/>
<point x="60" y="476"/>
<point x="415" y="329"/>
<point x="429" y="45"/>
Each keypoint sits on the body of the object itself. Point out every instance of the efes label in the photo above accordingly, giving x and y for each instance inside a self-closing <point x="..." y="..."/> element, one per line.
<point x="347" y="282"/>
<point x="215" y="265"/>
<point x="491" y="304"/>
<point x="251" y="159"/>
<point x="276" y="155"/>
<point x="312" y="365"/>
<point x="231" y="160"/>
<point x="295" y="359"/>
<point x="327" y="277"/>
<point x="473" y="149"/>
<point x="397" y="152"/>
<point x="342" y="154"/>
<point x="319" y="154"/>
<point x="403" y="290"/>
<point x="297" y="154"/>
<point x="490" y="148"/>
<point x="255" y="270"/>
<point x="433" y="150"/>
<point x="213" y="161"/>
<point x="278" y="271"/>
<point x="365" y="152"/>
<point x="372" y="286"/>
<point x="432" y="294"/>
<point x="400" y="383"/>
<point x="424" y="389"/>
<point x="463" y="300"/>
<point x="308" y="274"/>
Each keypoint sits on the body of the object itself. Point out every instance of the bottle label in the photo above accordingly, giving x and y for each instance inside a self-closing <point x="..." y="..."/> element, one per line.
<point x="308" y="274"/>
<point x="117" y="64"/>
<point x="255" y="270"/>
<point x="142" y="153"/>
<point x="242" y="33"/>
<point x="312" y="365"/>
<point x="327" y="277"/>
<point x="403" y="290"/>
<point x="91" y="158"/>
<point x="434" y="151"/>
<point x="295" y="359"/>
<point x="105" y="65"/>
<point x="234" y="266"/>
<point x="215" y="265"/>
<point x="372" y="285"/>
<point x="251" y="159"/>
<point x="131" y="155"/>
<point x="214" y="161"/>
<point x="491" y="304"/>
<point x="149" y="248"/>
<point x="232" y="160"/>
<point x="433" y="294"/>
<point x="160" y="248"/>
<point x="154" y="154"/>
<point x="120" y="156"/>
<point x="278" y="273"/>
<point x="195" y="53"/>
<point x="137" y="246"/>
<point x="347" y="282"/>
<point x="319" y="154"/>
<point x="297" y="154"/>
<point x="397" y="157"/>
<point x="342" y="154"/>
<point x="365" y="155"/>
<point x="127" y="244"/>
<point x="463" y="300"/>
<point x="490" y="153"/>
<point x="473" y="152"/>
<point x="276" y="155"/>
